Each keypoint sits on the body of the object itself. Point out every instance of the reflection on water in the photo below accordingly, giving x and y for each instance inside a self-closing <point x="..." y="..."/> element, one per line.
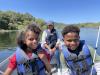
<point x="8" y="39"/>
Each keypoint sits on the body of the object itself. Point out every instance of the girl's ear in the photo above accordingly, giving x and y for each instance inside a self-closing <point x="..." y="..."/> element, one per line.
<point x="79" y="37"/>
<point x="24" y="42"/>
<point x="62" y="39"/>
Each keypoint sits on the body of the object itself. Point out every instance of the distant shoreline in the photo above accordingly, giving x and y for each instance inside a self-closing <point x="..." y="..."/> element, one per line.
<point x="91" y="27"/>
<point x="2" y="31"/>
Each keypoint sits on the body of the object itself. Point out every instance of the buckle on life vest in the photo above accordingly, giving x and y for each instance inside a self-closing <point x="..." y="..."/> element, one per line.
<point x="81" y="70"/>
<point x="75" y="59"/>
<point x="84" y="69"/>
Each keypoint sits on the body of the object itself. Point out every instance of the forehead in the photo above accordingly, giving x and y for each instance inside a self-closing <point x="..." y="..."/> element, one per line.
<point x="71" y="35"/>
<point x="31" y="34"/>
<point x="50" y="25"/>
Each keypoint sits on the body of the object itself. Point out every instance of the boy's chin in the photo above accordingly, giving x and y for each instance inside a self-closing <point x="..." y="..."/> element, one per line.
<point x="73" y="49"/>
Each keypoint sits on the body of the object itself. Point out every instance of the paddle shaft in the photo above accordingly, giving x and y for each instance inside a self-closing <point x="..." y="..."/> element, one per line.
<point x="96" y="47"/>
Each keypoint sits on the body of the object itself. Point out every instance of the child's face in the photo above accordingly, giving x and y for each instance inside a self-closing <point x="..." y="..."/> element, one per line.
<point x="71" y="40"/>
<point x="31" y="39"/>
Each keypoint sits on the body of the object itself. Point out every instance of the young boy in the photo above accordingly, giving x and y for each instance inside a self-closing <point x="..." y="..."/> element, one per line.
<point x="75" y="54"/>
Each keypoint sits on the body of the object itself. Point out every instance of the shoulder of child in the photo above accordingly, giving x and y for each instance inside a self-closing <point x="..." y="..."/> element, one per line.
<point x="12" y="62"/>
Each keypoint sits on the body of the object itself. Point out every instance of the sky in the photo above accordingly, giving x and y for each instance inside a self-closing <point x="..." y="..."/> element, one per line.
<point x="62" y="11"/>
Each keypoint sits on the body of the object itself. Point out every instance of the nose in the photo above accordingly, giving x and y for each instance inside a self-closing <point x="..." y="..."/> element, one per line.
<point x="73" y="43"/>
<point x="34" y="41"/>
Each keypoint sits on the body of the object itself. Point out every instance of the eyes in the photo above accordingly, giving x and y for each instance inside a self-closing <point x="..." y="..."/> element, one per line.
<point x="31" y="39"/>
<point x="72" y="40"/>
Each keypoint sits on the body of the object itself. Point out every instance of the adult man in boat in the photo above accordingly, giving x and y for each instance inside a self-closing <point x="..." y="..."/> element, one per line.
<point x="50" y="42"/>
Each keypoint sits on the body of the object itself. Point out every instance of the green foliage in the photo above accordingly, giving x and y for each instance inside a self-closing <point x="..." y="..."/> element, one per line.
<point x="59" y="25"/>
<point x="10" y="20"/>
<point x="89" y="25"/>
<point x="4" y="21"/>
<point x="41" y="22"/>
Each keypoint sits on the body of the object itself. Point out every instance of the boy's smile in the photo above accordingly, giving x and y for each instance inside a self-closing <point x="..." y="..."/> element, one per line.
<point x="71" y="40"/>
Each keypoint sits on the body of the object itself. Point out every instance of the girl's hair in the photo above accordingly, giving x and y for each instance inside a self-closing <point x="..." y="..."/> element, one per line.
<point x="34" y="28"/>
<point x="21" y="37"/>
<point x="70" y="28"/>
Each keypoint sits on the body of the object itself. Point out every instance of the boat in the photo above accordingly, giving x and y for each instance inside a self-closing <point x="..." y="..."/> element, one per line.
<point x="3" y="65"/>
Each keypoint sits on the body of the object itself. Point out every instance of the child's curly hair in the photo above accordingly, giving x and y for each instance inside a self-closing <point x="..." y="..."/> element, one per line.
<point x="34" y="28"/>
<point x="21" y="37"/>
<point x="70" y="28"/>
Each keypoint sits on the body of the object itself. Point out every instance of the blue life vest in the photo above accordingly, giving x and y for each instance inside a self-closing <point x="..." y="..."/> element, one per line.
<point x="27" y="66"/>
<point x="51" y="38"/>
<point x="79" y="64"/>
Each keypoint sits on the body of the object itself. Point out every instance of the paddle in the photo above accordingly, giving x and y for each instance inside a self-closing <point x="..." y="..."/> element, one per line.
<point x="96" y="47"/>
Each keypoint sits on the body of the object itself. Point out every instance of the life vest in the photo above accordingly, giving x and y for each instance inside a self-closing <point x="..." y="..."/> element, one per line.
<point x="51" y="38"/>
<point x="79" y="64"/>
<point x="27" y="66"/>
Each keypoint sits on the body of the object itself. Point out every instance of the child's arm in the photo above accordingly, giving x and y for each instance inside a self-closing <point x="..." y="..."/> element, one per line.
<point x="42" y="56"/>
<point x="11" y="66"/>
<point x="8" y="71"/>
<point x="64" y="68"/>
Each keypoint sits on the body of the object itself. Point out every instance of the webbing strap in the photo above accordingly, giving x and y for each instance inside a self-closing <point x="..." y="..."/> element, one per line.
<point x="1" y="72"/>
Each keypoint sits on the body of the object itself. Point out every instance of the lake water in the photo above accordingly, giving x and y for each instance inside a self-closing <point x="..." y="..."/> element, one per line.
<point x="8" y="40"/>
<point x="90" y="35"/>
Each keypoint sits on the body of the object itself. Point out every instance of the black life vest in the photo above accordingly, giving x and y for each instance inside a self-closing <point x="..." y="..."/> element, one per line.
<point x="52" y="38"/>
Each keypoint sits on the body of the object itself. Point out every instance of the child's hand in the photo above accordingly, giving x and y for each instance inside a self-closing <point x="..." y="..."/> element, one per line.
<point x="50" y="73"/>
<point x="51" y="51"/>
<point x="57" y="45"/>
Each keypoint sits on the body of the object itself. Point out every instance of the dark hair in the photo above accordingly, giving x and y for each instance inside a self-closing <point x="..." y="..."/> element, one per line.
<point x="70" y="28"/>
<point x="21" y="37"/>
<point x="20" y="40"/>
<point x="34" y="27"/>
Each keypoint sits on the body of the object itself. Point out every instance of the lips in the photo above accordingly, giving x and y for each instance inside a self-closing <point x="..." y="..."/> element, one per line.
<point x="73" y="47"/>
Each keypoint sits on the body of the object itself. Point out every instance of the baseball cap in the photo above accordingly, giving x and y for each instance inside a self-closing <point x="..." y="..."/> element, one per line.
<point x="50" y="23"/>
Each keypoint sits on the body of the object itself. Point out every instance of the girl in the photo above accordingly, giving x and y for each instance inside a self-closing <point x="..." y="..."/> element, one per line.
<point x="29" y="58"/>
